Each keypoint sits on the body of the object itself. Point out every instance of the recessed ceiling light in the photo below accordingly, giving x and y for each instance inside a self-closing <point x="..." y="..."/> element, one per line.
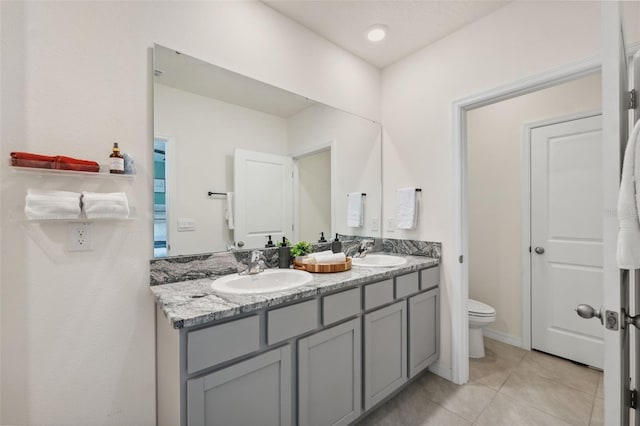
<point x="377" y="33"/>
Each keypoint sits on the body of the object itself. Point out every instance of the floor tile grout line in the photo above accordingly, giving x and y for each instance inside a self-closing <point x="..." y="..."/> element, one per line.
<point x="485" y="407"/>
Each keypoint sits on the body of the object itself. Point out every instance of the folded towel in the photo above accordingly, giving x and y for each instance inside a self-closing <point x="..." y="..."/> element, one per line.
<point x="68" y="163"/>
<point x="44" y="204"/>
<point x="320" y="254"/>
<point x="628" y="250"/>
<point x="228" y="214"/>
<point x="329" y="258"/>
<point x="355" y="209"/>
<point x="27" y="159"/>
<point x="113" y="205"/>
<point x="406" y="208"/>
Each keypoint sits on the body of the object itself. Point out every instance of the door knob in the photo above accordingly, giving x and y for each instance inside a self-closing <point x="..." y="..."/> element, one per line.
<point x="588" y="311"/>
<point x="539" y="250"/>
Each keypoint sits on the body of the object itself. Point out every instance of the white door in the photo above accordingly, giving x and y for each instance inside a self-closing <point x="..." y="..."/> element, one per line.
<point x="614" y="136"/>
<point x="566" y="238"/>
<point x="263" y="186"/>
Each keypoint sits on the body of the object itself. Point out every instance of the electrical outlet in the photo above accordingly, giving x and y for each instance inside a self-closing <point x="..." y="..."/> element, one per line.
<point x="80" y="236"/>
<point x="375" y="223"/>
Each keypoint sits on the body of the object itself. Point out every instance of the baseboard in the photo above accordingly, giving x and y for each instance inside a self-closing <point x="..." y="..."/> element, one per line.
<point x="445" y="373"/>
<point x="503" y="337"/>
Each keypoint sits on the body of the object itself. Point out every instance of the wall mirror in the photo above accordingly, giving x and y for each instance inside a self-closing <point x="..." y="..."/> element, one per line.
<point x="237" y="160"/>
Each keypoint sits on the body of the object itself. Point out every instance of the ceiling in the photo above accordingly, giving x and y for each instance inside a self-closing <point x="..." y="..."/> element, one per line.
<point x="412" y="24"/>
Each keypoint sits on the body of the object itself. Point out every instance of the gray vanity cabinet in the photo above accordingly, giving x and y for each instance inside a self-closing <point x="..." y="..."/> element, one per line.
<point x="424" y="331"/>
<point x="253" y="392"/>
<point x="329" y="376"/>
<point x="385" y="352"/>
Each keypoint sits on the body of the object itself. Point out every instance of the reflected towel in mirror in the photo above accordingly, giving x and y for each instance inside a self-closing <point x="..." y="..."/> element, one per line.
<point x="228" y="214"/>
<point x="355" y="209"/>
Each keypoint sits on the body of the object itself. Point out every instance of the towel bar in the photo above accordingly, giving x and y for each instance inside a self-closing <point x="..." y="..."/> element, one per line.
<point x="216" y="193"/>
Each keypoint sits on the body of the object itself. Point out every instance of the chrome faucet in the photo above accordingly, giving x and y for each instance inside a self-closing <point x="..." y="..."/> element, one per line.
<point x="365" y="247"/>
<point x="256" y="264"/>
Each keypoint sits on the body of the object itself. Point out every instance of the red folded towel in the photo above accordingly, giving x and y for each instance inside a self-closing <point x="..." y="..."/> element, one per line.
<point x="27" y="159"/>
<point x="68" y="163"/>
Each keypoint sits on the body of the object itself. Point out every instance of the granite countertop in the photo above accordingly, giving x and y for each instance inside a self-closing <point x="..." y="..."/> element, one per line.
<point x="192" y="303"/>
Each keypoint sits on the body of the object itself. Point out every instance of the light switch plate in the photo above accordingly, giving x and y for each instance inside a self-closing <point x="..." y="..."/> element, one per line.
<point x="186" y="224"/>
<point x="375" y="224"/>
<point x="391" y="224"/>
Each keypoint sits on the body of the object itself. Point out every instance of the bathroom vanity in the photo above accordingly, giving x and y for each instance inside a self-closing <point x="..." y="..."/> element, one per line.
<point x="323" y="353"/>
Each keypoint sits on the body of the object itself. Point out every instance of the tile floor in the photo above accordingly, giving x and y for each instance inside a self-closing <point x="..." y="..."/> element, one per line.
<point x="510" y="387"/>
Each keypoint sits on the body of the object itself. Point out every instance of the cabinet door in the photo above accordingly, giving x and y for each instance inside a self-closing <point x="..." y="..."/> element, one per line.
<point x="329" y="376"/>
<point x="385" y="352"/>
<point x="253" y="392"/>
<point x="424" y="330"/>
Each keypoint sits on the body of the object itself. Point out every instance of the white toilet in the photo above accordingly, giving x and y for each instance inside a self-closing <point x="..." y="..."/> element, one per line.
<point x="480" y="316"/>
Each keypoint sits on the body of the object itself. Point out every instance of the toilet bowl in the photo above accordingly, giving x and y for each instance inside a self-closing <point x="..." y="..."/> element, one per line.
<point x="480" y="316"/>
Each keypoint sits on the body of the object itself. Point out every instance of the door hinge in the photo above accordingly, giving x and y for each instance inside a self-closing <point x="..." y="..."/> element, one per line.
<point x="460" y="259"/>
<point x="632" y="99"/>
<point x="632" y="398"/>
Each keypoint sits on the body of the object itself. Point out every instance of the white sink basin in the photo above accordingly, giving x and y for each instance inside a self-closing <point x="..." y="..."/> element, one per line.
<point x="265" y="282"/>
<point x="378" y="261"/>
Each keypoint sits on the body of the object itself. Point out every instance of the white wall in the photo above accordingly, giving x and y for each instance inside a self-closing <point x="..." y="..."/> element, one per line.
<point x="314" y="195"/>
<point x="494" y="140"/>
<point x="357" y="155"/>
<point x="78" y="328"/>
<point x="519" y="40"/>
<point x="206" y="132"/>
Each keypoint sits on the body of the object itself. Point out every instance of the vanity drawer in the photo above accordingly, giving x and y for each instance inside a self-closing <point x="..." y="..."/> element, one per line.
<point x="204" y="347"/>
<point x="291" y="321"/>
<point x="407" y="284"/>
<point x="429" y="278"/>
<point x="339" y="306"/>
<point x="377" y="294"/>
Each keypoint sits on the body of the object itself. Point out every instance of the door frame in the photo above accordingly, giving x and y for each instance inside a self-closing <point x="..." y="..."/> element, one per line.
<point x="169" y="181"/>
<point x="525" y="212"/>
<point x="329" y="145"/>
<point x="459" y="287"/>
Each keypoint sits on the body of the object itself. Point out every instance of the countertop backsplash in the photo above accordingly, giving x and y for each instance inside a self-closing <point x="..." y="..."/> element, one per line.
<point x="212" y="265"/>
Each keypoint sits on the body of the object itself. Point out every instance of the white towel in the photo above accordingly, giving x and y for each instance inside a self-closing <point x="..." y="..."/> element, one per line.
<point x="46" y="205"/>
<point x="105" y="205"/>
<point x="355" y="209"/>
<point x="406" y="208"/>
<point x="329" y="258"/>
<point x="320" y="254"/>
<point x="228" y="214"/>
<point x="628" y="254"/>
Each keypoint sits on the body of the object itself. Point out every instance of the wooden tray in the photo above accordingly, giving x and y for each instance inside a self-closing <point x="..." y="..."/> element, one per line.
<point x="323" y="268"/>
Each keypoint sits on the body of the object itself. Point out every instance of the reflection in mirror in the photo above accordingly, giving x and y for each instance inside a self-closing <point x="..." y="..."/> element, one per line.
<point x="237" y="160"/>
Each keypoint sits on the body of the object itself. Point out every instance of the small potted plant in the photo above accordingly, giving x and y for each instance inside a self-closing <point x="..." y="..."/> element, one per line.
<point x="284" y="253"/>
<point x="300" y="249"/>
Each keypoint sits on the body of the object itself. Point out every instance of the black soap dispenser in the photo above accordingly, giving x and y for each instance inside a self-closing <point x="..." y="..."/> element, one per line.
<point x="284" y="254"/>
<point x="322" y="238"/>
<point x="336" y="245"/>
<point x="269" y="243"/>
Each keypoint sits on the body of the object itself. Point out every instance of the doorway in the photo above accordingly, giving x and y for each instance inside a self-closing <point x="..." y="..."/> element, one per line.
<point x="160" y="234"/>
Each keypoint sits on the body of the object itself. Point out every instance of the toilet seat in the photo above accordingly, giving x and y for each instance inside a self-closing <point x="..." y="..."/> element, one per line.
<point x="479" y="309"/>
